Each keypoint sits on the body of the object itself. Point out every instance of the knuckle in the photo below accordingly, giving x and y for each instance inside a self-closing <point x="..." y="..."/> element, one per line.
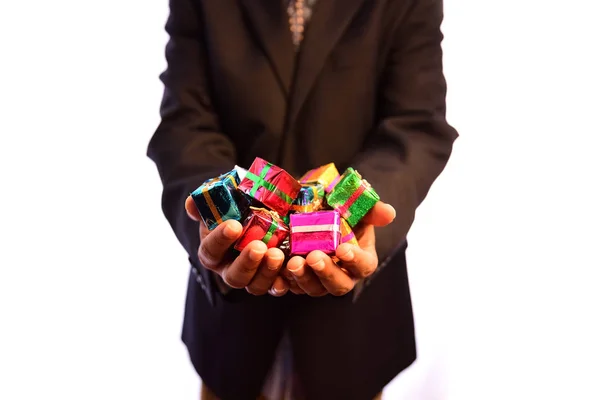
<point x="207" y="257"/>
<point x="327" y="276"/>
<point x="371" y="268"/>
<point x="287" y="275"/>
<point x="253" y="290"/>
<point x="368" y="268"/>
<point x="318" y="293"/>
<point x="221" y="241"/>
<point x="341" y="291"/>
<point x="303" y="280"/>
<point x="264" y="270"/>
<point x="365" y="272"/>
<point x="246" y="269"/>
<point x="233" y="281"/>
<point x="208" y="264"/>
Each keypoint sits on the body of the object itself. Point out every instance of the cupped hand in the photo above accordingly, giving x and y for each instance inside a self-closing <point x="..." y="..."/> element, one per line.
<point x="256" y="268"/>
<point x="318" y="274"/>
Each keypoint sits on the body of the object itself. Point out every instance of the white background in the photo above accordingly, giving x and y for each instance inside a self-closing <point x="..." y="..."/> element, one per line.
<point x="503" y="255"/>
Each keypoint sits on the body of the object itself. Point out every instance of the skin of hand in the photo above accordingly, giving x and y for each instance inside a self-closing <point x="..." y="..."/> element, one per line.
<point x="318" y="274"/>
<point x="256" y="268"/>
<point x="259" y="269"/>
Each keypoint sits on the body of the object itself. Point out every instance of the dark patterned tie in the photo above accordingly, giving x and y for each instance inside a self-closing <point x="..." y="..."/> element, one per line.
<point x="299" y="12"/>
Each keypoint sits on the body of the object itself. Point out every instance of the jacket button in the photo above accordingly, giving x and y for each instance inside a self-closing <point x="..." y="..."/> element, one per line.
<point x="199" y="279"/>
<point x="201" y="282"/>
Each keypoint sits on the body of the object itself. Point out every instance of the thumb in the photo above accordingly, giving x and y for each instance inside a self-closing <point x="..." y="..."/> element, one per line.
<point x="191" y="209"/>
<point x="381" y="214"/>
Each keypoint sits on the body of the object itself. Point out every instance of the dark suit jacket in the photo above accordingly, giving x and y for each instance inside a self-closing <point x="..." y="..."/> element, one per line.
<point x="365" y="90"/>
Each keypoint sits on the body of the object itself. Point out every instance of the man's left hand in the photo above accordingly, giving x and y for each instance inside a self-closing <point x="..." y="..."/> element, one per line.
<point x="318" y="274"/>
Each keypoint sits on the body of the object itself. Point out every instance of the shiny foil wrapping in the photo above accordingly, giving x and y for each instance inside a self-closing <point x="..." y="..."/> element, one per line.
<point x="318" y="230"/>
<point x="218" y="200"/>
<point x="352" y="197"/>
<point x="241" y="172"/>
<point x="326" y="175"/>
<point x="270" y="185"/>
<point x="347" y="233"/>
<point x="285" y="246"/>
<point x="265" y="225"/>
<point x="310" y="198"/>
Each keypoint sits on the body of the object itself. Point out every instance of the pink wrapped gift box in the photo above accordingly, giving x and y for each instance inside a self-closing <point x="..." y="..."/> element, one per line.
<point x="318" y="230"/>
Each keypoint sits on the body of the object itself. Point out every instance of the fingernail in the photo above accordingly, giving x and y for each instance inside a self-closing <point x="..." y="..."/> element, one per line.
<point x="393" y="209"/>
<point x="297" y="271"/>
<point x="277" y="292"/>
<point x="256" y="255"/>
<point x="230" y="232"/>
<point x="273" y="263"/>
<point x="289" y="277"/>
<point x="318" y="266"/>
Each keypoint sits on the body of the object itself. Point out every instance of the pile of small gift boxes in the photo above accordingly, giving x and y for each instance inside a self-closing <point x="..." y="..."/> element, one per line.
<point x="317" y="212"/>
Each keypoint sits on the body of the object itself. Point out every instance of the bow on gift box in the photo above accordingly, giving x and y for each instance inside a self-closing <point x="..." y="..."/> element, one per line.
<point x="272" y="228"/>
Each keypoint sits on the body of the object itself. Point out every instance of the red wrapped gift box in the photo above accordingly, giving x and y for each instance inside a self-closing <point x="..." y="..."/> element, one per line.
<point x="264" y="225"/>
<point x="271" y="185"/>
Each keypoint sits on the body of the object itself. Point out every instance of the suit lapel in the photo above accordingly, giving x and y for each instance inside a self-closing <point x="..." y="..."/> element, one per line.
<point x="269" y="22"/>
<point x="329" y="20"/>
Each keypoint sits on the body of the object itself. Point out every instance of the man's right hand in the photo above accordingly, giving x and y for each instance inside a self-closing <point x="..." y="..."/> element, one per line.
<point x="256" y="268"/>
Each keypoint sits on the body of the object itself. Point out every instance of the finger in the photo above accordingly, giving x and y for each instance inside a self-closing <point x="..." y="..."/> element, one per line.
<point x="289" y="278"/>
<point x="191" y="209"/>
<point x="215" y="245"/>
<point x="267" y="272"/>
<point x="381" y="214"/>
<point x="336" y="281"/>
<point x="240" y="272"/>
<point x="366" y="237"/>
<point x="296" y="289"/>
<point x="359" y="262"/>
<point x="305" y="277"/>
<point x="203" y="230"/>
<point x="280" y="287"/>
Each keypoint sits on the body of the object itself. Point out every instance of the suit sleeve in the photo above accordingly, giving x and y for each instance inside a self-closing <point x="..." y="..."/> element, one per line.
<point x="412" y="142"/>
<point x="188" y="146"/>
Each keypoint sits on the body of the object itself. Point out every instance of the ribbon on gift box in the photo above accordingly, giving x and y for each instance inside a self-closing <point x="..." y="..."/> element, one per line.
<point x="344" y="208"/>
<point x="209" y="200"/>
<point x="260" y="181"/>
<point x="348" y="237"/>
<point x="347" y="233"/>
<point x="270" y="231"/>
<point x="274" y="223"/>
<point x="333" y="183"/>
